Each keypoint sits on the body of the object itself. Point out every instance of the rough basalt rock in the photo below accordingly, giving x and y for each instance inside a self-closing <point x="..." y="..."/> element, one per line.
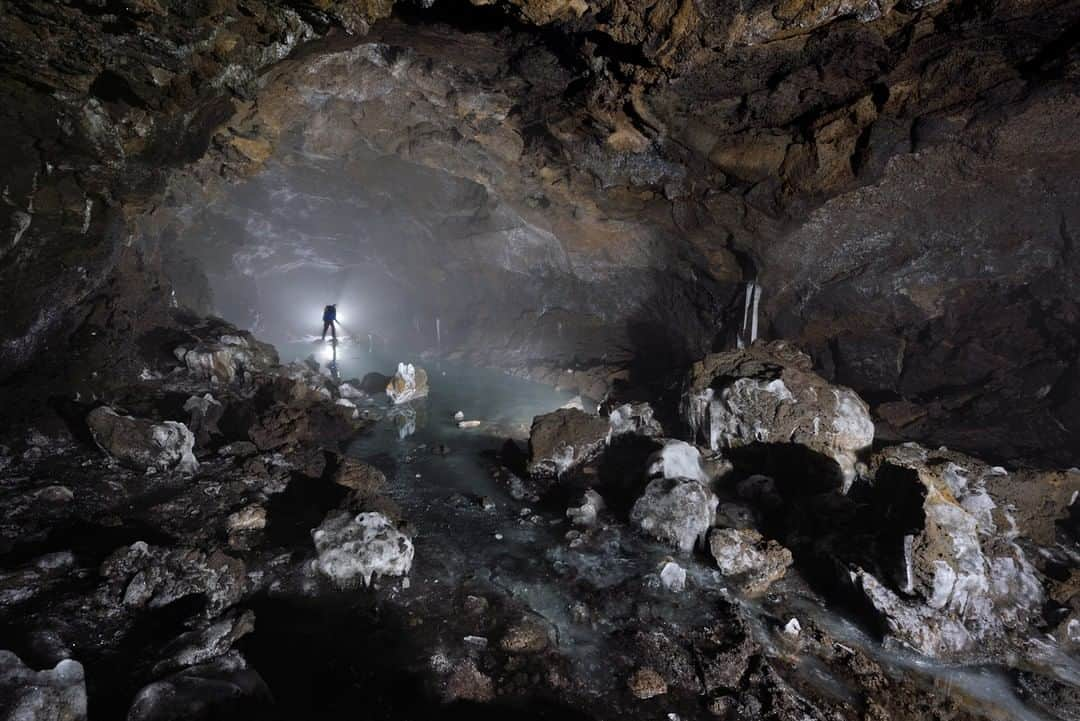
<point x="971" y="583"/>
<point x="749" y="559"/>
<point x="141" y="443"/>
<point x="768" y="393"/>
<point x="28" y="695"/>
<point x="565" y="439"/>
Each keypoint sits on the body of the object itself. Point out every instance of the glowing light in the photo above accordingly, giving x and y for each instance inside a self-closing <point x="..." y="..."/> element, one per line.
<point x="327" y="352"/>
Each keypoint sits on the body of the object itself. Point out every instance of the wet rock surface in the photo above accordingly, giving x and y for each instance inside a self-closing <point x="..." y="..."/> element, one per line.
<point x="238" y="587"/>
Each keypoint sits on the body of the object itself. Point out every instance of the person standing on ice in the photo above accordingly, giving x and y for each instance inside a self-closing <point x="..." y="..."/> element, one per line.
<point x="329" y="318"/>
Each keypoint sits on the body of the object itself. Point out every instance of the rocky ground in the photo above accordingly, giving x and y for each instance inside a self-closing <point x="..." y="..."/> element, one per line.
<point x="201" y="547"/>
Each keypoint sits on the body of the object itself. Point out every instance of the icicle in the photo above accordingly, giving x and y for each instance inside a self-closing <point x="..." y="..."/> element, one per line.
<point x="740" y="336"/>
<point x="754" y="318"/>
<point x="438" y="333"/>
<point x="86" y="215"/>
<point x="370" y="343"/>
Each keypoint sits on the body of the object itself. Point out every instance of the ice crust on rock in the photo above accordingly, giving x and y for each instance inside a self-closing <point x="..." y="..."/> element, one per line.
<point x="678" y="511"/>
<point x="407" y="384"/>
<point x="354" y="549"/>
<point x="222" y="361"/>
<point x="585" y="513"/>
<point x="142" y="443"/>
<point x="972" y="583"/>
<point x="746" y="556"/>
<point x="677" y="459"/>
<point x="634" y="418"/>
<point x="768" y="393"/>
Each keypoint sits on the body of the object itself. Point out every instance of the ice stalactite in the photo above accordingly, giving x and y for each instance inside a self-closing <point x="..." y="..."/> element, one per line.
<point x="370" y="343"/>
<point x="438" y="333"/>
<point x="751" y="301"/>
<point x="22" y="223"/>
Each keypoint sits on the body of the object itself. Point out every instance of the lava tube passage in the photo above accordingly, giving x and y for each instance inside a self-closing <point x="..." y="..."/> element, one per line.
<point x="600" y="360"/>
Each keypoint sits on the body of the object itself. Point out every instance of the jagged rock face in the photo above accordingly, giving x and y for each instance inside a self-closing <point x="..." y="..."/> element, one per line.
<point x="768" y="394"/>
<point x="971" y="582"/>
<point x="898" y="178"/>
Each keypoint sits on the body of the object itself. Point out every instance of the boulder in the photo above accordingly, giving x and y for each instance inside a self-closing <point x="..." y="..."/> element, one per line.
<point x="57" y="694"/>
<point x="205" y="644"/>
<point x="141" y="443"/>
<point x="585" y="513"/>
<point x="636" y="418"/>
<point x="967" y="583"/>
<point x="223" y="688"/>
<point x="409" y="383"/>
<point x="373" y="383"/>
<point x="678" y="511"/>
<point x="143" y="576"/>
<point x="229" y="357"/>
<point x="768" y="393"/>
<point x="563" y="440"/>
<point x="313" y="422"/>
<point x="205" y="414"/>
<point x="672" y="576"/>
<point x="354" y="549"/>
<point x="747" y="558"/>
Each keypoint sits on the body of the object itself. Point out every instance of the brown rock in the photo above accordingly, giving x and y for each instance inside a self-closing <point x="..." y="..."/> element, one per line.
<point x="646" y="683"/>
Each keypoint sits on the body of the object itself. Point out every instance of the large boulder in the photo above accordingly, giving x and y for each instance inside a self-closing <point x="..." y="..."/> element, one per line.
<point x="966" y="583"/>
<point x="57" y="694"/>
<point x="565" y="439"/>
<point x="141" y="443"/>
<point x="408" y="384"/>
<point x="318" y="422"/>
<point x="229" y="357"/>
<point x="678" y="511"/>
<point x="225" y="687"/>
<point x="354" y="549"/>
<point x="143" y="576"/>
<point x="768" y="393"/>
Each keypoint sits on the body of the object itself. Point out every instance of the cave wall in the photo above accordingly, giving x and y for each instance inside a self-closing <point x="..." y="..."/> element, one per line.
<point x="899" y="178"/>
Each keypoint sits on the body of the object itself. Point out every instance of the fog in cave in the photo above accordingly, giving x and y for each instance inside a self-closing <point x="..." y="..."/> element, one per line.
<point x="687" y="360"/>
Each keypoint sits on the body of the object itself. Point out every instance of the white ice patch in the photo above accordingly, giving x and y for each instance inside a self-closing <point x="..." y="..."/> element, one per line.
<point x="354" y="549"/>
<point x="176" y="443"/>
<point x="677" y="459"/>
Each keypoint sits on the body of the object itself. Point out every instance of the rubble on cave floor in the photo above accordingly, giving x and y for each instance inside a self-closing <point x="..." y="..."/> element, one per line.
<point x="646" y="575"/>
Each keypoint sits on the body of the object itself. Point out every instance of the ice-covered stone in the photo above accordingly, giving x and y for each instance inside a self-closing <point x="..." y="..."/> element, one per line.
<point x="408" y="383"/>
<point x="585" y="513"/>
<point x="673" y="577"/>
<point x="971" y="582"/>
<point x="141" y="443"/>
<point x="748" y="558"/>
<point x="677" y="459"/>
<point x="348" y="390"/>
<point x="354" y="549"/>
<point x="768" y="393"/>
<point x="57" y="694"/>
<point x="229" y="357"/>
<point x="678" y="511"/>
<point x="636" y="418"/>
